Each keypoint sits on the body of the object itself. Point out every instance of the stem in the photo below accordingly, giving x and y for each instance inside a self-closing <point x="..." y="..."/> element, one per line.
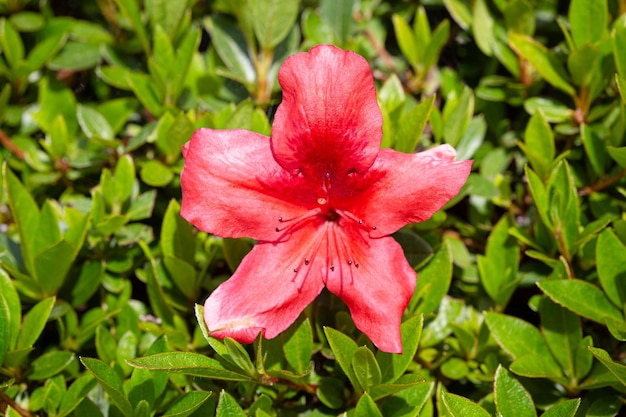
<point x="263" y="64"/>
<point x="6" y="401"/>
<point x="603" y="183"/>
<point x="11" y="146"/>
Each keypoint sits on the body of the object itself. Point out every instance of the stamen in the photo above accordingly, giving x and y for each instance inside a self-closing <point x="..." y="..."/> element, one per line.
<point x="306" y="261"/>
<point x="290" y="224"/>
<point x="355" y="219"/>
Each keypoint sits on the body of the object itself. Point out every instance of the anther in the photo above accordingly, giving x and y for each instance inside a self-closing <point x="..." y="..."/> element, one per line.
<point x="332" y="267"/>
<point x="356" y="264"/>
<point x="360" y="221"/>
<point x="280" y="218"/>
<point x="278" y="229"/>
<point x="349" y="261"/>
<point x="373" y="227"/>
<point x="295" y="270"/>
<point x="306" y="261"/>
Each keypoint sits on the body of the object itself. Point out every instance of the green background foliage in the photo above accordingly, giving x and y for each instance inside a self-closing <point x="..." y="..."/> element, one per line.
<point x="520" y="304"/>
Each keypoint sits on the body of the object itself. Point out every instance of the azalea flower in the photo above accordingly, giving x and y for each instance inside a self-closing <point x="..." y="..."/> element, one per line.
<point x="320" y="197"/>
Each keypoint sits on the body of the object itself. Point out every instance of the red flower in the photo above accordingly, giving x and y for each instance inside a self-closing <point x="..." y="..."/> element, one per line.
<point x="321" y="198"/>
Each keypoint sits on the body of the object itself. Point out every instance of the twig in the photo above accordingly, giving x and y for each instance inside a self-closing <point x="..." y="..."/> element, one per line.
<point x="602" y="183"/>
<point x="11" y="146"/>
<point x="6" y="401"/>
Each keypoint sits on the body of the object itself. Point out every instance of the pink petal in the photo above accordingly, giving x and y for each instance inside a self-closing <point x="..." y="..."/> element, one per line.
<point x="233" y="187"/>
<point x="269" y="290"/>
<point x="376" y="285"/>
<point x="408" y="188"/>
<point x="329" y="120"/>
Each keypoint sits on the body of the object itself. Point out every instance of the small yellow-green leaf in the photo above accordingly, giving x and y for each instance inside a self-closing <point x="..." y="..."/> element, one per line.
<point x="511" y="397"/>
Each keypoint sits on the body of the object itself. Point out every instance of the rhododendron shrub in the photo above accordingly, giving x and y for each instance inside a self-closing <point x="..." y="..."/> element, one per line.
<point x="321" y="198"/>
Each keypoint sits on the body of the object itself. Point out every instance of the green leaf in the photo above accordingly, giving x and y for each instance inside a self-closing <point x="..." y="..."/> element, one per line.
<point x="588" y="21"/>
<point x="11" y="43"/>
<point x="563" y="333"/>
<point x="155" y="174"/>
<point x="177" y="235"/>
<point x="611" y="266"/>
<point x="539" y="144"/>
<point x="75" y="394"/>
<point x="50" y="364"/>
<point x="273" y="20"/>
<point x="344" y="349"/>
<point x="433" y="283"/>
<point x="93" y="124"/>
<point x="166" y="14"/>
<point x="187" y="403"/>
<point x="406" y="40"/>
<point x="5" y="327"/>
<point x="10" y="300"/>
<point x="188" y="363"/>
<point x="618" y="154"/>
<point x="144" y="89"/>
<point x="34" y="323"/>
<point x="459" y="406"/>
<point x="337" y="14"/>
<point x="111" y="383"/>
<point x="438" y="41"/>
<point x="228" y="407"/>
<point x="232" y="48"/>
<point x="393" y="365"/>
<point x="366" y="368"/>
<point x="617" y="369"/>
<point x="483" y="32"/>
<point x="566" y="408"/>
<point x="130" y="10"/>
<point x="544" y="62"/>
<point x="524" y="343"/>
<point x="366" y="407"/>
<point x="595" y="149"/>
<point x="76" y="56"/>
<point x="298" y="347"/>
<point x="619" y="45"/>
<point x="519" y="16"/>
<point x="472" y="139"/>
<point x="457" y="115"/>
<point x="511" y="397"/>
<point x="26" y="215"/>
<point x="412" y="125"/>
<point x="238" y="356"/>
<point x="581" y="297"/>
<point x="460" y="12"/>
<point x="330" y="392"/>
<point x="499" y="267"/>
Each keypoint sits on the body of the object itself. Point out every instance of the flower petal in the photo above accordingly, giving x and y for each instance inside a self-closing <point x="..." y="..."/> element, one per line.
<point x="268" y="291"/>
<point x="376" y="286"/>
<point x="329" y="120"/>
<point x="408" y="188"/>
<point x="233" y="187"/>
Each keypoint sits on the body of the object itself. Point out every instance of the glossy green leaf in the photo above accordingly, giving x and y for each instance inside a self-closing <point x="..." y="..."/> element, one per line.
<point x="76" y="393"/>
<point x="581" y="297"/>
<point x="618" y="154"/>
<point x="595" y="148"/>
<point x="188" y="363"/>
<point x="392" y="365"/>
<point x="34" y="323"/>
<point x="412" y="125"/>
<point x="619" y="45"/>
<point x="50" y="364"/>
<point x="617" y="369"/>
<point x="298" y="347"/>
<point x="111" y="383"/>
<point x="330" y="392"/>
<point x="187" y="403"/>
<point x="511" y="397"/>
<point x="166" y="14"/>
<point x="156" y="174"/>
<point x="146" y="92"/>
<point x="76" y="56"/>
<point x="457" y="115"/>
<point x="566" y="408"/>
<point x="459" y="406"/>
<point x="433" y="283"/>
<point x="344" y="349"/>
<point x="611" y="266"/>
<point x="366" y="368"/>
<point x="366" y="407"/>
<point x="406" y="40"/>
<point x="519" y="16"/>
<point x="5" y="327"/>
<point x="232" y="49"/>
<point x="562" y="332"/>
<point x="460" y="12"/>
<point x="499" y="267"/>
<point x="11" y="43"/>
<point x="93" y="123"/>
<point x="543" y="60"/>
<point x="539" y="144"/>
<point x="273" y="20"/>
<point x="228" y="407"/>
<point x="588" y="21"/>
<point x="130" y="10"/>
<point x="337" y="14"/>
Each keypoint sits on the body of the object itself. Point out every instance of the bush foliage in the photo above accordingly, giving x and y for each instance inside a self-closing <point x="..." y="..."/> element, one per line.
<point x="520" y="303"/>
